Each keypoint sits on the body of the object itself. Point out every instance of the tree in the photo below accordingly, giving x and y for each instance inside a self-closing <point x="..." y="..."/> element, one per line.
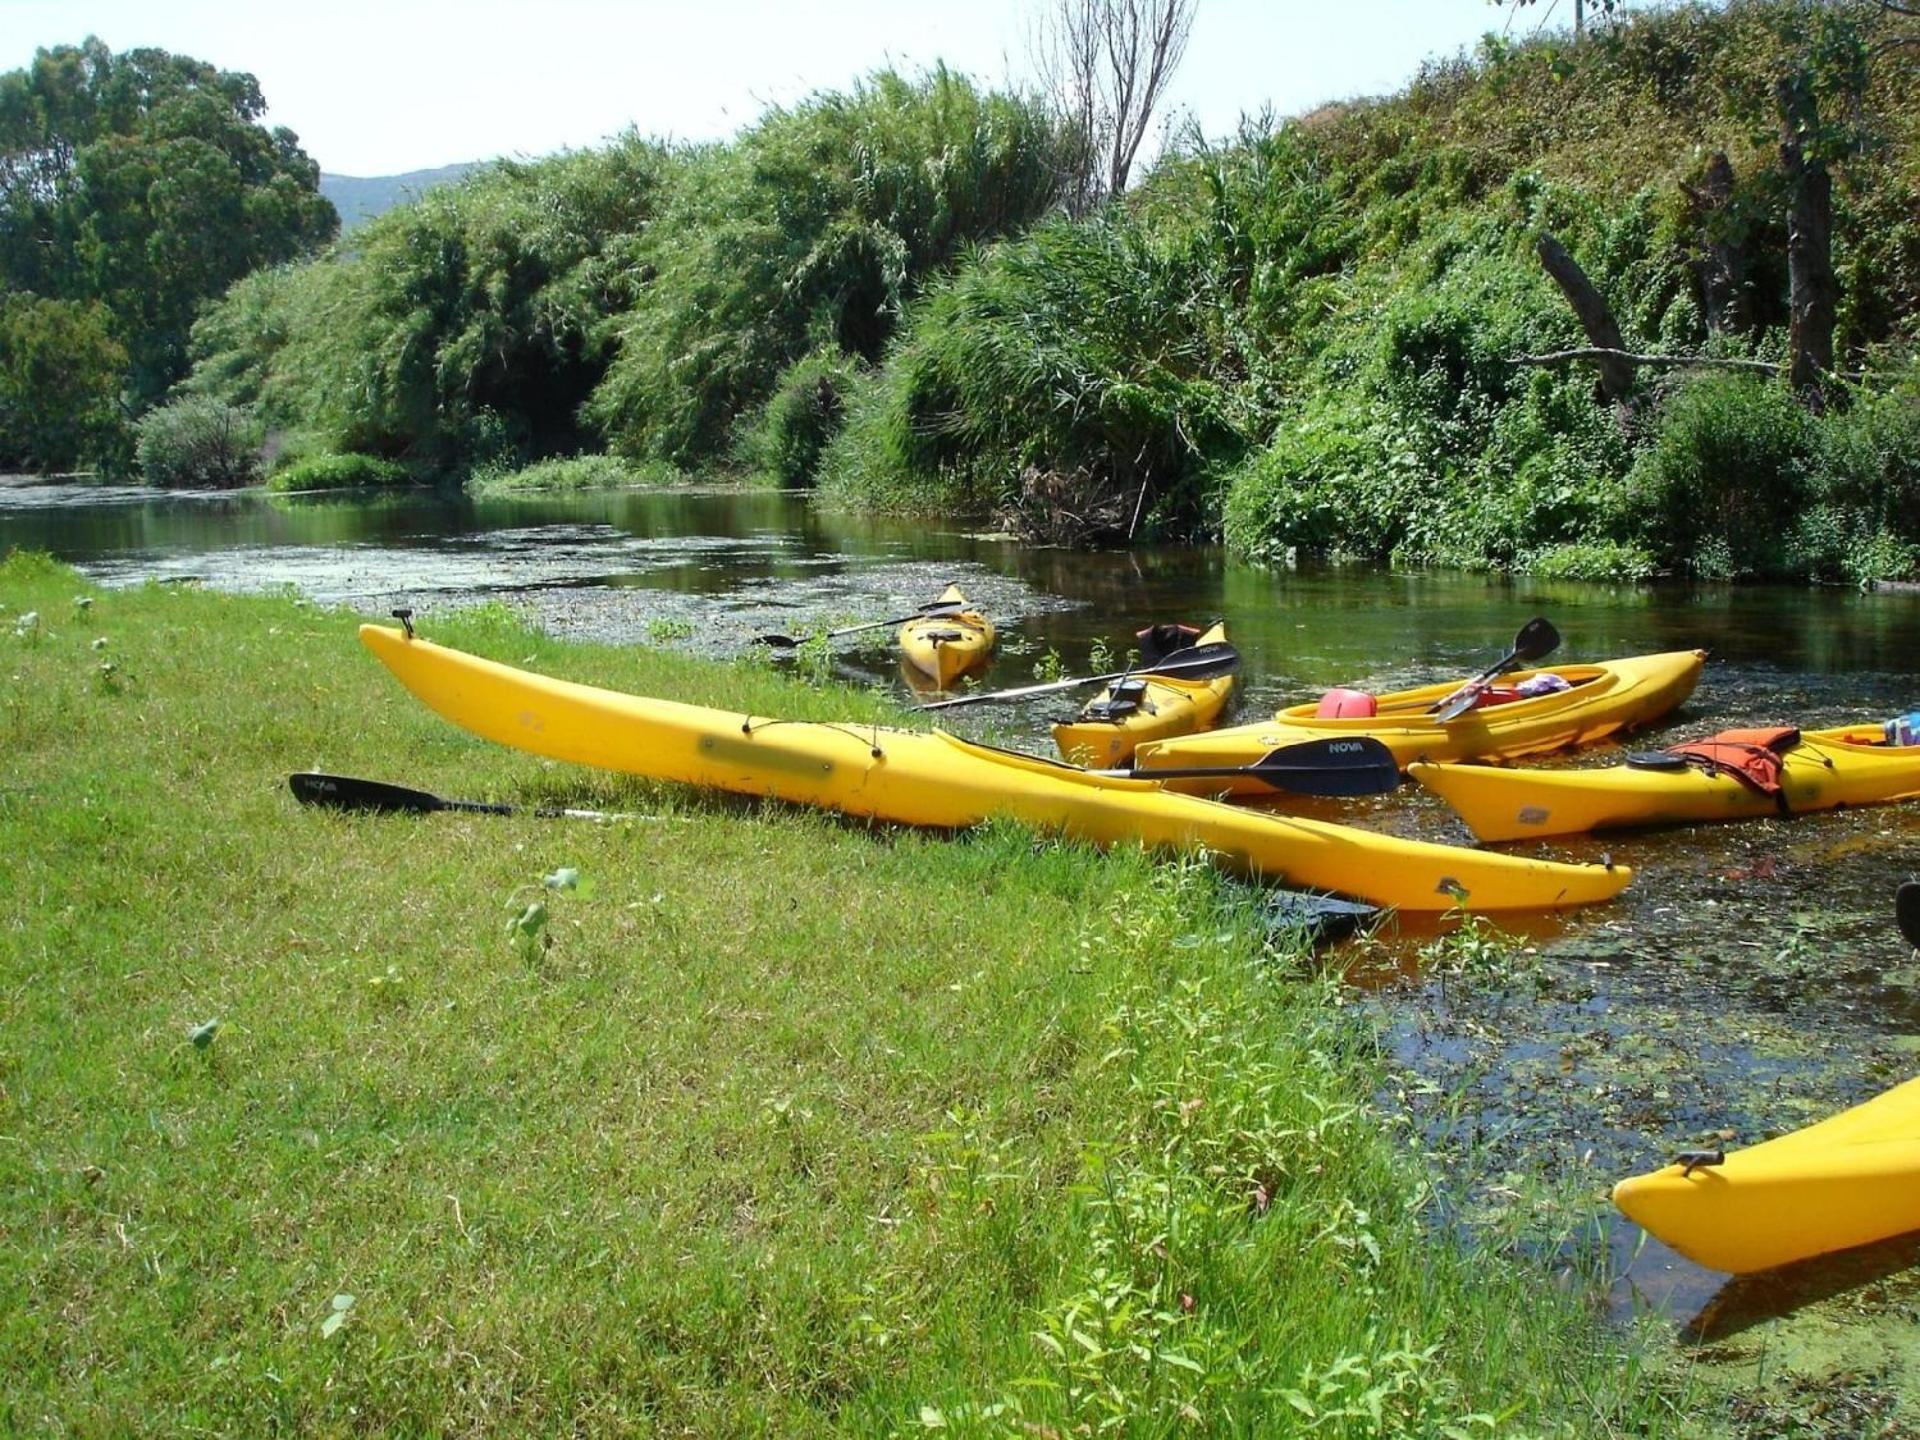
<point x="145" y="183"/>
<point x="60" y="372"/>
<point x="1107" y="64"/>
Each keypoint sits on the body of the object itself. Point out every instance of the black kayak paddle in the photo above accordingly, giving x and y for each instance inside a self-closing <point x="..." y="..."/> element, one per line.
<point x="1196" y="662"/>
<point x="933" y="609"/>
<point x="1356" y="765"/>
<point x="346" y="792"/>
<point x="1537" y="640"/>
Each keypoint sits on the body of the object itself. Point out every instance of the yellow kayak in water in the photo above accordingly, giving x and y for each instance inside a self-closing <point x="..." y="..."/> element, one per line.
<point x="945" y="647"/>
<point x="1828" y="769"/>
<point x="941" y="781"/>
<point x="1144" y="707"/>
<point x="1598" y="701"/>
<point x="1847" y="1181"/>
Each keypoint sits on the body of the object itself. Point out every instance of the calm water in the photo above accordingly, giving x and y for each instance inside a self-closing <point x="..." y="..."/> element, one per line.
<point x="1751" y="980"/>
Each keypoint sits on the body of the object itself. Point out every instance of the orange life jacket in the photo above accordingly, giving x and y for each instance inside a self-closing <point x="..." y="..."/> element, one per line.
<point x="1753" y="757"/>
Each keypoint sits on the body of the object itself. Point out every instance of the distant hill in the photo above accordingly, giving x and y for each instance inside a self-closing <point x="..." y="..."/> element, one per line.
<point x="359" y="198"/>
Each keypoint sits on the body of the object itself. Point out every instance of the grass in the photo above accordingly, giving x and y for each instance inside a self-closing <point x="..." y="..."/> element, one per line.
<point x="778" y="1124"/>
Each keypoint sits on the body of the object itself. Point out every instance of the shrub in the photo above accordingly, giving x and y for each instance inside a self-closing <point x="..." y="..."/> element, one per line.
<point x="1864" y="519"/>
<point x="337" y="472"/>
<point x="199" y="443"/>
<point x="808" y="407"/>
<point x="573" y="472"/>
<point x="1720" y="488"/>
<point x="1328" y="484"/>
<point x="1592" y="560"/>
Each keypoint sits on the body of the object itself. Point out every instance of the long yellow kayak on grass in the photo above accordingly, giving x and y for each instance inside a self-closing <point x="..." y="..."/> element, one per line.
<point x="1600" y="700"/>
<point x="1828" y="769"/>
<point x="1847" y="1181"/>
<point x="941" y="781"/>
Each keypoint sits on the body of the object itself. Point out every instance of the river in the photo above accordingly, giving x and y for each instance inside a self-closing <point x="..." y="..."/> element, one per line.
<point x="1750" y="981"/>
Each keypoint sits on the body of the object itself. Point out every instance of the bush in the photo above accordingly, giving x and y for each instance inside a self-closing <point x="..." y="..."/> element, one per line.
<point x="808" y="407"/>
<point x="1327" y="485"/>
<point x="1592" y="560"/>
<point x="573" y="472"/>
<point x="337" y="472"/>
<point x="1864" y="519"/>
<point x="1723" y="484"/>
<point x="199" y="443"/>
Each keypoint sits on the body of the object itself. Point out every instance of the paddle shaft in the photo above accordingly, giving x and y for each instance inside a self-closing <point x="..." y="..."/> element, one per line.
<point x="1537" y="639"/>
<point x="939" y="609"/>
<point x="1219" y="658"/>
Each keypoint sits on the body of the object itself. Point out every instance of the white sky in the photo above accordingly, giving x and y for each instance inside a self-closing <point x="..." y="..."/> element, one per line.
<point x="375" y="87"/>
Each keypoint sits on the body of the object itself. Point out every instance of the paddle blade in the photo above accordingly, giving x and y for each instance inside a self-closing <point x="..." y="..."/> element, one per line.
<point x="779" y="642"/>
<point x="1354" y="765"/>
<point x="345" y="792"/>
<point x="1197" y="662"/>
<point x="1906" y="910"/>
<point x="1537" y="640"/>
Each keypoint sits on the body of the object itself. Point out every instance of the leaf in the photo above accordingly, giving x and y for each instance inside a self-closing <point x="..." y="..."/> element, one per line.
<point x="932" y="1418"/>
<point x="202" y="1034"/>
<point x="565" y="878"/>
<point x="1299" y="1402"/>
<point x="337" y="1316"/>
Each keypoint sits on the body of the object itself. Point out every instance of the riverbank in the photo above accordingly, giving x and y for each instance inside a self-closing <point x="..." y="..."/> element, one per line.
<point x="777" y="1123"/>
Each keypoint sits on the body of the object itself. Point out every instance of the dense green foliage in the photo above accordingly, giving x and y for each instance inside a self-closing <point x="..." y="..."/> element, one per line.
<point x="1304" y="339"/>
<point x="805" y="413"/>
<point x="723" y="1148"/>
<point x="466" y="327"/>
<point x="641" y="296"/>
<point x="142" y="184"/>
<point x="60" y="377"/>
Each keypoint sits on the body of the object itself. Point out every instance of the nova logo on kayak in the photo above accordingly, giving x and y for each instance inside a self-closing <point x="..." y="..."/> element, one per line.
<point x="1344" y="747"/>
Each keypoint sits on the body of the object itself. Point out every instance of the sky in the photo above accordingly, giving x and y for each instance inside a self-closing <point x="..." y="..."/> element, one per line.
<point x="377" y="87"/>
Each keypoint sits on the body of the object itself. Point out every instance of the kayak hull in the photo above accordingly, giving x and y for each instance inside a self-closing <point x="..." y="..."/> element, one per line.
<point x="944" y="648"/>
<point x="1850" y="1180"/>
<point x="941" y="781"/>
<point x="1828" y="770"/>
<point x="1604" y="700"/>
<point x="1169" y="706"/>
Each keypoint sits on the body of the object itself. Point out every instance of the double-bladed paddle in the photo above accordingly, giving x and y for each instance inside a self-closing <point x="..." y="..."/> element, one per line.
<point x="1537" y="640"/>
<point x="1349" y="765"/>
<point x="1196" y="662"/>
<point x="1906" y="910"/>
<point x="346" y="792"/>
<point x="932" y="610"/>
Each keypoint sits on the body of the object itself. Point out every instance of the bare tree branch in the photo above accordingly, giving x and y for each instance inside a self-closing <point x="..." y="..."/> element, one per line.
<point x="1107" y="64"/>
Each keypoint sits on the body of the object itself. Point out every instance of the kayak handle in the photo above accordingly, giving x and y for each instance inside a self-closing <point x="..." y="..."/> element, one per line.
<point x="405" y="617"/>
<point x="1692" y="1160"/>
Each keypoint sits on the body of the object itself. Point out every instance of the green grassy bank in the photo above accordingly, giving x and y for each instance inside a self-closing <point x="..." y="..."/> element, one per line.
<point x="780" y="1125"/>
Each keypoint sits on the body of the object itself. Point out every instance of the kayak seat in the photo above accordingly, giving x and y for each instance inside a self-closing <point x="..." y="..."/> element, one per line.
<point x="1343" y="704"/>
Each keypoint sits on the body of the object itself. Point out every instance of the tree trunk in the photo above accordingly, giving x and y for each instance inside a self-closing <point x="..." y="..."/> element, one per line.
<point x="1722" y="266"/>
<point x="1616" y="376"/>
<point x="1811" y="291"/>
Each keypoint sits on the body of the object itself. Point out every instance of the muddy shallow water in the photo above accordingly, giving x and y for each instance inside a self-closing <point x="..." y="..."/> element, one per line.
<point x="1749" y="982"/>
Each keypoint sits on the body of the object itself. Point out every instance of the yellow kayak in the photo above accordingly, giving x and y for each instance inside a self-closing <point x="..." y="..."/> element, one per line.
<point x="1847" y="1181"/>
<point x="1826" y="770"/>
<point x="1600" y="700"/>
<point x="941" y="781"/>
<point x="1146" y="707"/>
<point x="945" y="647"/>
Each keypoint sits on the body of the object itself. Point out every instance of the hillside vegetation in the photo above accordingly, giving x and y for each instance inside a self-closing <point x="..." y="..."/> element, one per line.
<point x="1304" y="340"/>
